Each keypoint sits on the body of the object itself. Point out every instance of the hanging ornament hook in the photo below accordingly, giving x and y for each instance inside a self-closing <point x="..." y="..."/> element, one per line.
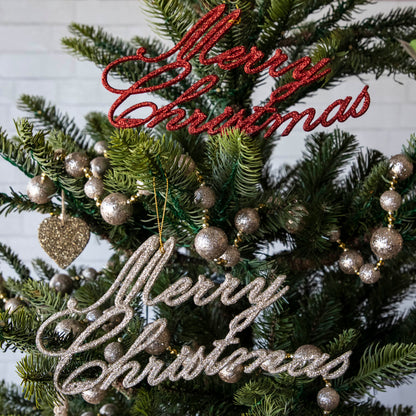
<point x="160" y="222"/>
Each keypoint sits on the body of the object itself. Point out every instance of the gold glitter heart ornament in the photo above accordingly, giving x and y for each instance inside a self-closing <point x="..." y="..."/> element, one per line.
<point x="63" y="240"/>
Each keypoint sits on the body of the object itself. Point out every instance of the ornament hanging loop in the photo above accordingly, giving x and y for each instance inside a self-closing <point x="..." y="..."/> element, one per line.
<point x="160" y="222"/>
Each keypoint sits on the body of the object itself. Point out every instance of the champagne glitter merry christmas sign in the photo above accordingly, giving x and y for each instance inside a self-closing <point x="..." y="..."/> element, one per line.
<point x="200" y="41"/>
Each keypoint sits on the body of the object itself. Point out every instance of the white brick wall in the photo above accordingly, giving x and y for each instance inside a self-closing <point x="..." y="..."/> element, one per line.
<point x="32" y="61"/>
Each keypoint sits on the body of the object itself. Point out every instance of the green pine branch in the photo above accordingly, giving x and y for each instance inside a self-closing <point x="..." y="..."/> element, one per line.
<point x="12" y="259"/>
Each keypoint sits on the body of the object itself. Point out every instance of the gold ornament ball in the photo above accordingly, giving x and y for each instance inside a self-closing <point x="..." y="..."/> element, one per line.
<point x="350" y="261"/>
<point x="231" y="256"/>
<point x="109" y="409"/>
<point x="231" y="374"/>
<point x="69" y="327"/>
<point x="211" y="242"/>
<point x="390" y="201"/>
<point x="101" y="147"/>
<point x="307" y="352"/>
<point x="93" y="315"/>
<point x="247" y="220"/>
<point x="334" y="235"/>
<point x="204" y="197"/>
<point x="62" y="283"/>
<point x="40" y="189"/>
<point x="75" y="163"/>
<point x="328" y="399"/>
<point x="400" y="166"/>
<point x="113" y="352"/>
<point x="99" y="165"/>
<point x="12" y="304"/>
<point x="158" y="346"/>
<point x="386" y="243"/>
<point x="94" y="188"/>
<point x="186" y="162"/>
<point x="115" y="210"/>
<point x="89" y="273"/>
<point x="368" y="274"/>
<point x="94" y="395"/>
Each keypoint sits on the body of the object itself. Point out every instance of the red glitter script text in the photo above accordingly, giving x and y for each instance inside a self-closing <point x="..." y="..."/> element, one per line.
<point x="200" y="40"/>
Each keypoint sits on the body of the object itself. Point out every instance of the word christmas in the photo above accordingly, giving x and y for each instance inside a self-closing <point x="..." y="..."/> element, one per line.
<point x="199" y="41"/>
<point x="147" y="262"/>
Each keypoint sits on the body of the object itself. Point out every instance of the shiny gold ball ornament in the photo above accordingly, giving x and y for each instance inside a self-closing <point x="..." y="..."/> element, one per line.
<point x="109" y="409"/>
<point x="231" y="256"/>
<point x="12" y="304"/>
<point x="113" y="352"/>
<point x="334" y="235"/>
<point x="89" y="273"/>
<point x="328" y="399"/>
<point x="211" y="242"/>
<point x="75" y="163"/>
<point x="101" y="147"/>
<point x="247" y="220"/>
<point x="158" y="346"/>
<point x="204" y="197"/>
<point x="94" y="188"/>
<point x="40" y="189"/>
<point x="390" y="201"/>
<point x="307" y="352"/>
<point x="62" y="283"/>
<point x="386" y="243"/>
<point x="69" y="327"/>
<point x="187" y="163"/>
<point x="115" y="209"/>
<point x="400" y="167"/>
<point x="99" y="165"/>
<point x="93" y="315"/>
<point x="231" y="374"/>
<point x="368" y="274"/>
<point x="350" y="261"/>
<point x="94" y="395"/>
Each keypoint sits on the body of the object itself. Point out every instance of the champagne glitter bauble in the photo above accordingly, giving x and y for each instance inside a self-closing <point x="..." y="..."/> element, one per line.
<point x="63" y="241"/>
<point x="204" y="197"/>
<point x="62" y="283"/>
<point x="99" y="165"/>
<point x="400" y="167"/>
<point x="390" y="201"/>
<point x="211" y="242"/>
<point x="350" y="261"/>
<point x="69" y="327"/>
<point x="113" y="352"/>
<point x="115" y="210"/>
<point x="328" y="399"/>
<point x="40" y="189"/>
<point x="94" y="188"/>
<point x="368" y="274"/>
<point x="75" y="163"/>
<point x="12" y="304"/>
<point x="101" y="147"/>
<point x="247" y="220"/>
<point x="89" y="273"/>
<point x="307" y="352"/>
<point x="231" y="374"/>
<point x="187" y="162"/>
<point x="109" y="409"/>
<point x="94" y="395"/>
<point x="93" y="315"/>
<point x="231" y="256"/>
<point x="159" y="346"/>
<point x="386" y="243"/>
<point x="334" y="235"/>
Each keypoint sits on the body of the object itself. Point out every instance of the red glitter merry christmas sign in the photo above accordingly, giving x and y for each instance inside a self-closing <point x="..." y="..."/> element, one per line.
<point x="198" y="43"/>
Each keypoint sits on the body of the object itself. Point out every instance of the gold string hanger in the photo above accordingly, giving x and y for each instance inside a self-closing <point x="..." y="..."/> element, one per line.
<point x="160" y="222"/>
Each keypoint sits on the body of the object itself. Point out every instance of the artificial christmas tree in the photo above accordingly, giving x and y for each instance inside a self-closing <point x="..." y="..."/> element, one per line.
<point x="185" y="195"/>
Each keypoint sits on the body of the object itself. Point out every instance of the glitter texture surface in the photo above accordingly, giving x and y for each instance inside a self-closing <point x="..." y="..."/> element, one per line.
<point x="328" y="399"/>
<point x="368" y="274"/>
<point x="211" y="242"/>
<point x="75" y="163"/>
<point x="390" y="201"/>
<point x="400" y="166"/>
<point x="247" y="220"/>
<point x="350" y="261"/>
<point x="40" y="189"/>
<point x="115" y="210"/>
<point x="63" y="241"/>
<point x="386" y="243"/>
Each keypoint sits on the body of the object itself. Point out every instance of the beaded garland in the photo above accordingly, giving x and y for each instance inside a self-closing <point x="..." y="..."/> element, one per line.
<point x="198" y="42"/>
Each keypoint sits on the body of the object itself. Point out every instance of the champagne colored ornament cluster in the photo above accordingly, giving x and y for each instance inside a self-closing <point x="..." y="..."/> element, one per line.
<point x="211" y="243"/>
<point x="138" y="276"/>
<point x="386" y="242"/>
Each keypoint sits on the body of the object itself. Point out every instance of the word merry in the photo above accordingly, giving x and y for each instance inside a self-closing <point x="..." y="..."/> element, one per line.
<point x="148" y="260"/>
<point x="198" y="42"/>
